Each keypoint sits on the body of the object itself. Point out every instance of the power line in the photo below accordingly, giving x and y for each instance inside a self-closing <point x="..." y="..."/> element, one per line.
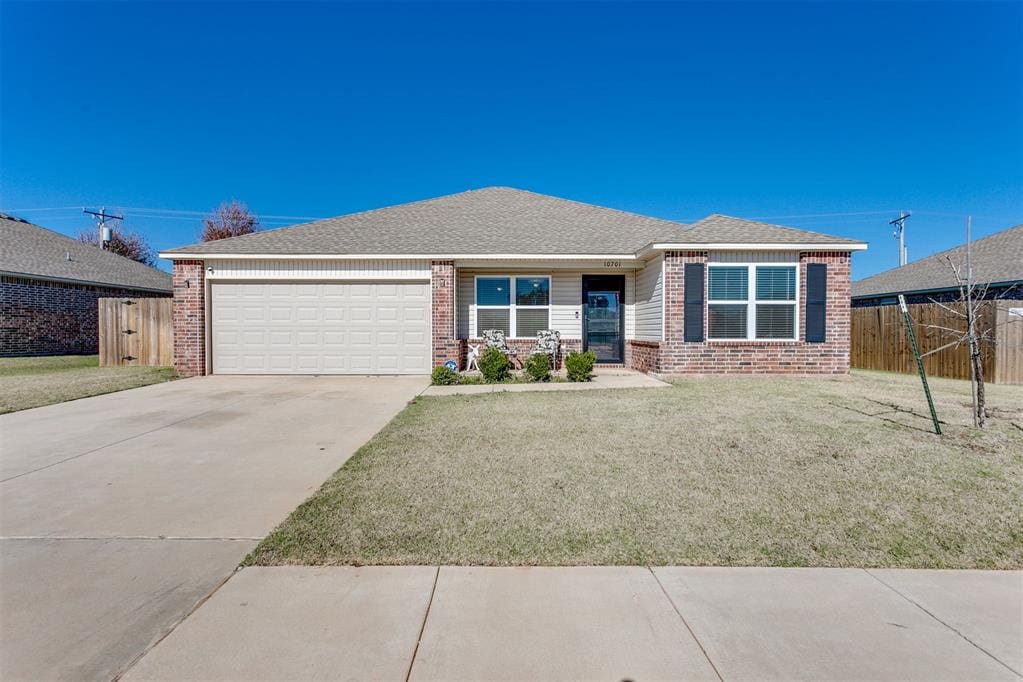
<point x="820" y="215"/>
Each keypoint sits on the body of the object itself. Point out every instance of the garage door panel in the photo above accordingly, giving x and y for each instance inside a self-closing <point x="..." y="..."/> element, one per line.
<point x="320" y="328"/>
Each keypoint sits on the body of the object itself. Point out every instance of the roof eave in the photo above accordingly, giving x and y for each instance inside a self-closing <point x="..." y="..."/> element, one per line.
<point x="86" y="282"/>
<point x="934" y="290"/>
<point x="638" y="255"/>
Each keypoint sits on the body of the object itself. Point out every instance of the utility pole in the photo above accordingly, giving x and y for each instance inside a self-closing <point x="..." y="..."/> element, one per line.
<point x="101" y="220"/>
<point x="900" y="234"/>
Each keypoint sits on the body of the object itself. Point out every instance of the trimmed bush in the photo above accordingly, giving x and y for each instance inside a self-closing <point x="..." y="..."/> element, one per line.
<point x="494" y="366"/>
<point x="538" y="367"/>
<point x="579" y="366"/>
<point x="442" y="376"/>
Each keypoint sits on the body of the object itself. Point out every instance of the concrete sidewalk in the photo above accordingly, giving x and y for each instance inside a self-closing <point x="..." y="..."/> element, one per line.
<point x="634" y="623"/>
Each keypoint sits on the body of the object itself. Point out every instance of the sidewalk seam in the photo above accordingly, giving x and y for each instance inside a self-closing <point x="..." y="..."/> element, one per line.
<point x="686" y="623"/>
<point x="422" y="628"/>
<point x="133" y="662"/>
<point x="921" y="607"/>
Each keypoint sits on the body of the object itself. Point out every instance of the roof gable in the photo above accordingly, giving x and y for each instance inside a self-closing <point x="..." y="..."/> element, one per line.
<point x="33" y="251"/>
<point x="723" y="229"/>
<point x="995" y="258"/>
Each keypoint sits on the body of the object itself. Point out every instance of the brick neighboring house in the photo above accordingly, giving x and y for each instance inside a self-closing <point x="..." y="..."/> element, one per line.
<point x="402" y="289"/>
<point x="49" y="286"/>
<point x="997" y="262"/>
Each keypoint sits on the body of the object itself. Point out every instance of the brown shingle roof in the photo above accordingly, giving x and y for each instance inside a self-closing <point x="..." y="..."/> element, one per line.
<point x="28" y="250"/>
<point x="495" y="220"/>
<point x="995" y="258"/>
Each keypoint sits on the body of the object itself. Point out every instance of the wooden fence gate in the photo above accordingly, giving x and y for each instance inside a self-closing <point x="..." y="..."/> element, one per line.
<point x="879" y="341"/>
<point x="136" y="331"/>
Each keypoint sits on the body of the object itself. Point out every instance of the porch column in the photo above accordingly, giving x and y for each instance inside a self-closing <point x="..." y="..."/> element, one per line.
<point x="189" y="317"/>
<point x="442" y="308"/>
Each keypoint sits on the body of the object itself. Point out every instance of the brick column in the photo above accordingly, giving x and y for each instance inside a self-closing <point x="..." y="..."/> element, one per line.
<point x="442" y="307"/>
<point x="832" y="355"/>
<point x="189" y="317"/>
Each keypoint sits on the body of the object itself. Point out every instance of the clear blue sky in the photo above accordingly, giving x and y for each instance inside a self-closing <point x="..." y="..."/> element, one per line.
<point x="673" y="110"/>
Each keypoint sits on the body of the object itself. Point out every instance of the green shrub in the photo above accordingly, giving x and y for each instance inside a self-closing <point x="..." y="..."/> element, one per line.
<point x="579" y="366"/>
<point x="442" y="376"/>
<point x="538" y="367"/>
<point x="494" y="366"/>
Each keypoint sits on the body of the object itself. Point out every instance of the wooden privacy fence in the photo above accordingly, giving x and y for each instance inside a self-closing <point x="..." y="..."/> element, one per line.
<point x="136" y="331"/>
<point x="879" y="340"/>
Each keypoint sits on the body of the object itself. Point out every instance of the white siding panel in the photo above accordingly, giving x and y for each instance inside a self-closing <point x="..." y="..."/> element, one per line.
<point x="566" y="299"/>
<point x="292" y="269"/>
<point x="649" y="293"/>
<point x="630" y="305"/>
<point x="754" y="257"/>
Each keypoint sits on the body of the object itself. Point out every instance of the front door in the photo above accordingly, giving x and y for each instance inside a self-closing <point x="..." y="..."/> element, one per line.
<point x="603" y="316"/>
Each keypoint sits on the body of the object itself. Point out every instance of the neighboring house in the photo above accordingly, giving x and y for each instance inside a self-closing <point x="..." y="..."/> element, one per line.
<point x="997" y="262"/>
<point x="49" y="286"/>
<point x="399" y="290"/>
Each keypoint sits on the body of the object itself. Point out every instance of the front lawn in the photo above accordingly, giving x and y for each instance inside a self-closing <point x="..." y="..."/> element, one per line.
<point x="36" y="381"/>
<point x="744" y="471"/>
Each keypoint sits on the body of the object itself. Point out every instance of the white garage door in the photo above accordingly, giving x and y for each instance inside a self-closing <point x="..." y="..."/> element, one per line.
<point x="321" y="328"/>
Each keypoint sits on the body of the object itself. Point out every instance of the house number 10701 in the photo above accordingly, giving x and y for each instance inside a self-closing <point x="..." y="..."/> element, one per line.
<point x="612" y="264"/>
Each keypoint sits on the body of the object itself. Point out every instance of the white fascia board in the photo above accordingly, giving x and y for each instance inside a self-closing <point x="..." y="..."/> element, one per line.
<point x="860" y="246"/>
<point x="393" y="256"/>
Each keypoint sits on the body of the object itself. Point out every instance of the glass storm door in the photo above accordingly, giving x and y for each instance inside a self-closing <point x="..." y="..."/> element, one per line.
<point x="603" y="322"/>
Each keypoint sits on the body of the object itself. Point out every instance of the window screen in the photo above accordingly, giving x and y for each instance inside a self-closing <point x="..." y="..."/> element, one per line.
<point x="493" y="291"/>
<point x="528" y="321"/>
<point x="727" y="284"/>
<point x="726" y="321"/>
<point x="493" y="318"/>
<point x="532" y="291"/>
<point x="775" y="321"/>
<point x="776" y="283"/>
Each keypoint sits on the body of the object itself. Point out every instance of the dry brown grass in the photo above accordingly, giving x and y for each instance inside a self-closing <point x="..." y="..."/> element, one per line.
<point x="780" y="472"/>
<point x="38" y="381"/>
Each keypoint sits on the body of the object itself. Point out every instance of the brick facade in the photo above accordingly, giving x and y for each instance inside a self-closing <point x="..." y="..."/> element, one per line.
<point x="758" y="357"/>
<point x="669" y="356"/>
<point x="41" y="317"/>
<point x="446" y="345"/>
<point x="521" y="347"/>
<point x="189" y="317"/>
<point x="642" y="356"/>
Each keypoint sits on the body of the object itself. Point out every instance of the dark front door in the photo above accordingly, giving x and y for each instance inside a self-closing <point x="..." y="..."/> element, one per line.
<point x="603" y="316"/>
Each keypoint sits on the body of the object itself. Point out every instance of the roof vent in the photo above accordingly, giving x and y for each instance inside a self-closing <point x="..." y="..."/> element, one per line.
<point x="69" y="255"/>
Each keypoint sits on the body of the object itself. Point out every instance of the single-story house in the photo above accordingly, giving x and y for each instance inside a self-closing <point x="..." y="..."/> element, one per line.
<point x="997" y="262"/>
<point x="49" y="286"/>
<point x="402" y="289"/>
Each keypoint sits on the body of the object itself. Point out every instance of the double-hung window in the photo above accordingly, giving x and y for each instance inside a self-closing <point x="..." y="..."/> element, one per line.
<point x="753" y="302"/>
<point x="520" y="306"/>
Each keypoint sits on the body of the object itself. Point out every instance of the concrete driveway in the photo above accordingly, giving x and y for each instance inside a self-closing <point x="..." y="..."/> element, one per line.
<point x="118" y="514"/>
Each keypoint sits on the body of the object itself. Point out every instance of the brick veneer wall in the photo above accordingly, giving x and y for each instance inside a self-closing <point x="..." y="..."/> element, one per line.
<point x="642" y="356"/>
<point x="521" y="347"/>
<point x="189" y="317"/>
<point x="758" y="357"/>
<point x="39" y="317"/>
<point x="446" y="345"/>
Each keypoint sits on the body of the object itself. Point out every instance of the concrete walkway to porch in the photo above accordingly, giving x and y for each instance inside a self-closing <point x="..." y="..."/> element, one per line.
<point x="599" y="622"/>
<point x="602" y="379"/>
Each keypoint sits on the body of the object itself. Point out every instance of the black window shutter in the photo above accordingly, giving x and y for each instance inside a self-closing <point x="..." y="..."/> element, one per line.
<point x="816" y="301"/>
<point x="693" y="312"/>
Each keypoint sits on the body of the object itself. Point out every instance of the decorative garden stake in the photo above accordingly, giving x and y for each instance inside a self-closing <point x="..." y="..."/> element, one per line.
<point x="919" y="362"/>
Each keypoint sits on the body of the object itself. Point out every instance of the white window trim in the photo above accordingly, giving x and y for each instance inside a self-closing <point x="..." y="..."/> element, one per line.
<point x="512" y="306"/>
<point x="752" y="302"/>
